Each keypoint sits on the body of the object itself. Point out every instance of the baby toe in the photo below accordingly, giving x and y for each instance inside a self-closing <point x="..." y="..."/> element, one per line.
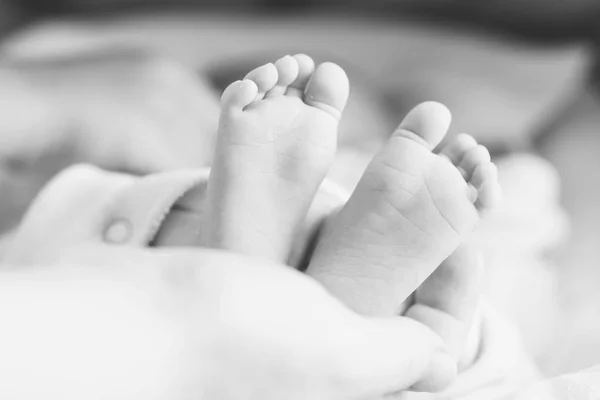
<point x="489" y="196"/>
<point x="287" y="70"/>
<point x="484" y="172"/>
<point x="474" y="157"/>
<point x="328" y="89"/>
<point x="485" y="179"/>
<point x="306" y="67"/>
<point x="456" y="149"/>
<point x="238" y="95"/>
<point x="265" y="77"/>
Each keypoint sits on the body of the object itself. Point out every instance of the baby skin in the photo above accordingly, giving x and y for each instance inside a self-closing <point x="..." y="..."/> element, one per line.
<point x="277" y="139"/>
<point x="410" y="211"/>
<point x="406" y="219"/>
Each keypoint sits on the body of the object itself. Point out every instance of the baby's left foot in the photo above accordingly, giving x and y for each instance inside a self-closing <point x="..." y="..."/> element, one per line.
<point x="277" y="139"/>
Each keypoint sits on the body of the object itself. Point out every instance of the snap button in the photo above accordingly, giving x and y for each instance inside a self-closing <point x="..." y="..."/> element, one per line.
<point x="118" y="232"/>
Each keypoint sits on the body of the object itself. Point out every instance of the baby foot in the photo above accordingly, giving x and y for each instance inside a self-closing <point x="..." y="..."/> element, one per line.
<point x="410" y="211"/>
<point x="277" y="139"/>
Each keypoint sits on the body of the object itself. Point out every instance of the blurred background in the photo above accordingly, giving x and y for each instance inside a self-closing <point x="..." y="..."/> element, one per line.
<point x="134" y="85"/>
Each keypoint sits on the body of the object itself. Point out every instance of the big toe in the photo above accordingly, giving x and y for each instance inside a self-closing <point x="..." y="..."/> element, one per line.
<point x="328" y="89"/>
<point x="427" y="124"/>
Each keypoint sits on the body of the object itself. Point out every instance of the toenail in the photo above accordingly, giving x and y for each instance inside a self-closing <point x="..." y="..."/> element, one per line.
<point x="119" y="231"/>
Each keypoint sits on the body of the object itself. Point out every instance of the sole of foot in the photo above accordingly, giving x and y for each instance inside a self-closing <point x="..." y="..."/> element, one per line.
<point x="277" y="139"/>
<point x="411" y="209"/>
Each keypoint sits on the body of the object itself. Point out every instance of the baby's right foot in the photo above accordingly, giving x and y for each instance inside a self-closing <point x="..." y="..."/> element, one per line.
<point x="410" y="211"/>
<point x="277" y="139"/>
